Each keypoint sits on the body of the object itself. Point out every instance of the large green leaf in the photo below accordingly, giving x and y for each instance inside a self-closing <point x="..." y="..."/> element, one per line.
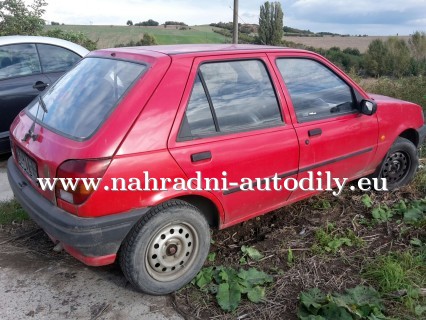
<point x="204" y="277"/>
<point x="366" y="200"/>
<point x="254" y="277"/>
<point x="228" y="296"/>
<point x="253" y="253"/>
<point x="335" y="312"/>
<point x="256" y="294"/>
<point x="313" y="299"/>
<point x="413" y="215"/>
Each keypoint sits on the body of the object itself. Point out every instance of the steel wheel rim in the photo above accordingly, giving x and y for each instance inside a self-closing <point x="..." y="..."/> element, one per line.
<point x="171" y="251"/>
<point x="396" y="167"/>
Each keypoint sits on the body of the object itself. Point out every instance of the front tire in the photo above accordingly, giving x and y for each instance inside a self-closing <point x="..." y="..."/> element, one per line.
<point x="400" y="165"/>
<point x="166" y="248"/>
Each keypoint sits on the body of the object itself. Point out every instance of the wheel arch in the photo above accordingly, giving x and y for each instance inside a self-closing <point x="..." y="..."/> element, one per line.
<point x="411" y="135"/>
<point x="207" y="207"/>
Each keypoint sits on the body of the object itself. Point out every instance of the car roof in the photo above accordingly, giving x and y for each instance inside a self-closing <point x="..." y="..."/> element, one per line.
<point x="183" y="49"/>
<point x="44" y="40"/>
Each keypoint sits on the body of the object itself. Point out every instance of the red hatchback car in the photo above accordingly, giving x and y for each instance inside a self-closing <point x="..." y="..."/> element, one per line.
<point x="141" y="116"/>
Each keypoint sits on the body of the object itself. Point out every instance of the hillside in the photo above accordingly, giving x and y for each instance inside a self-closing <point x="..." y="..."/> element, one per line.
<point x="110" y="36"/>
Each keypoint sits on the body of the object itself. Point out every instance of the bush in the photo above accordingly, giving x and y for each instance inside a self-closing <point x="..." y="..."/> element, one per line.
<point x="76" y="37"/>
<point x="409" y="88"/>
<point x="147" y="40"/>
<point x="148" y="23"/>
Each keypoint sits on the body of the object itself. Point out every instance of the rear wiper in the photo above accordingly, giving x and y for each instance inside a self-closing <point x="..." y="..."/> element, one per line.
<point x="30" y="133"/>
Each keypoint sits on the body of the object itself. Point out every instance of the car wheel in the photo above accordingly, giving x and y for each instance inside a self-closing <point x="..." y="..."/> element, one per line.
<point x="166" y="248"/>
<point x="400" y="165"/>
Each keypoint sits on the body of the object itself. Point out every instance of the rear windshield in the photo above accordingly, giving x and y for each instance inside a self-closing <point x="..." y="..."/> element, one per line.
<point x="84" y="97"/>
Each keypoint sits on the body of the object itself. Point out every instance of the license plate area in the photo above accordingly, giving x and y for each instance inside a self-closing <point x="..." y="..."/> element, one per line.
<point x="27" y="164"/>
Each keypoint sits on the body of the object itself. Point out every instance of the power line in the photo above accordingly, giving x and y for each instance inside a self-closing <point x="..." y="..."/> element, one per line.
<point x="230" y="7"/>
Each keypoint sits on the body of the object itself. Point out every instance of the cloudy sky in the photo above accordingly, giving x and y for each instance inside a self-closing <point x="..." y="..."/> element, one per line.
<point x="372" y="17"/>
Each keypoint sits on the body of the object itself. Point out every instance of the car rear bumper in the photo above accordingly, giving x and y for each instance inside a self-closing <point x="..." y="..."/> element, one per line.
<point x="94" y="241"/>
<point x="422" y="135"/>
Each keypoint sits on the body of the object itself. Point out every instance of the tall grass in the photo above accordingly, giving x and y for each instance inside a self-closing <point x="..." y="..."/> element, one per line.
<point x="410" y="88"/>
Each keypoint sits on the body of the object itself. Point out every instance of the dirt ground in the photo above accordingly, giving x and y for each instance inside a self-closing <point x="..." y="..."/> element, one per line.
<point x="294" y="227"/>
<point x="38" y="283"/>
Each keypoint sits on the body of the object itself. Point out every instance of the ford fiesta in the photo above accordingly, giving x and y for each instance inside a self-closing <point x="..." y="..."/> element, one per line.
<point x="178" y="111"/>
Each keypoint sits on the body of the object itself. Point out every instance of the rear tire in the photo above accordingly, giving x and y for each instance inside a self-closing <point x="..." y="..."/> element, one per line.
<point x="166" y="248"/>
<point x="400" y="164"/>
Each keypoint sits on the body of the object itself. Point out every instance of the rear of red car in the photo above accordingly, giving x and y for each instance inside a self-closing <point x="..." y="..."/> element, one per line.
<point x="74" y="131"/>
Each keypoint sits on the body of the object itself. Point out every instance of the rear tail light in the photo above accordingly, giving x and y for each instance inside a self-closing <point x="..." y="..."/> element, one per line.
<point x="73" y="171"/>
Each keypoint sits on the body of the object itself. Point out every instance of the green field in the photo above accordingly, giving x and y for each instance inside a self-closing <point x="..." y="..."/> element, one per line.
<point x="110" y="36"/>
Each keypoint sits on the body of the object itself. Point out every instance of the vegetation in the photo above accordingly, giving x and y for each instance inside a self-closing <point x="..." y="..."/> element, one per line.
<point x="111" y="36"/>
<point x="150" y="22"/>
<point x="364" y="265"/>
<point x="11" y="212"/>
<point x="175" y="23"/>
<point x="356" y="303"/>
<point x="330" y="239"/>
<point x="147" y="40"/>
<point x="228" y="285"/>
<point x="271" y="24"/>
<point x="73" y="36"/>
<point x="400" y="277"/>
<point x="18" y="18"/>
<point x="407" y="88"/>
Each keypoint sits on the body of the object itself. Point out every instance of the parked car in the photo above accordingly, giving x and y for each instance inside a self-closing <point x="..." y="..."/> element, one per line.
<point x="27" y="66"/>
<point x="234" y="111"/>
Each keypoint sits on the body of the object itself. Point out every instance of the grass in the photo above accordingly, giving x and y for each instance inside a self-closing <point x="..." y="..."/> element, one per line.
<point x="110" y="36"/>
<point x="409" y="88"/>
<point x="399" y="277"/>
<point x="330" y="239"/>
<point x="11" y="211"/>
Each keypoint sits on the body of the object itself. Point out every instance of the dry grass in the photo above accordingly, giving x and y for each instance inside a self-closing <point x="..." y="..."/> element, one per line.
<point x="360" y="43"/>
<point x="294" y="227"/>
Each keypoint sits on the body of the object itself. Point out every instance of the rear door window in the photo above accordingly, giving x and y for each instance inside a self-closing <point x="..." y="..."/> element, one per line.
<point x="231" y="96"/>
<point x="18" y="60"/>
<point x="56" y="59"/>
<point x="82" y="99"/>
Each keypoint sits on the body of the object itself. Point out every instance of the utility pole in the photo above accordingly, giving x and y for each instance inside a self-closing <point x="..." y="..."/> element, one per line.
<point x="235" y="34"/>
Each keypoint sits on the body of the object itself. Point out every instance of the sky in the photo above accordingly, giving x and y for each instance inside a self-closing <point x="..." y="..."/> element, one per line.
<point x="372" y="17"/>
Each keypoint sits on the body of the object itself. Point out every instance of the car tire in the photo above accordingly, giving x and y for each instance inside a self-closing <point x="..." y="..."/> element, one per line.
<point x="400" y="164"/>
<point x="166" y="248"/>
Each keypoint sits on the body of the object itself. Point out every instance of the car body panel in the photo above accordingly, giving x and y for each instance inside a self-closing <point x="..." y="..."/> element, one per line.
<point x="141" y="136"/>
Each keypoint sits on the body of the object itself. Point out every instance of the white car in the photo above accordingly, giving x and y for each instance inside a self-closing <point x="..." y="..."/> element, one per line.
<point x="28" y="64"/>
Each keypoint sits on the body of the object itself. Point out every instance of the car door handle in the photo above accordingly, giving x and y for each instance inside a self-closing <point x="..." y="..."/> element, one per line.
<point x="315" y="132"/>
<point x="201" y="156"/>
<point x="40" y="85"/>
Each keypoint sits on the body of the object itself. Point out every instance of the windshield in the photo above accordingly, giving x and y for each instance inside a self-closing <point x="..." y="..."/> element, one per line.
<point x="84" y="97"/>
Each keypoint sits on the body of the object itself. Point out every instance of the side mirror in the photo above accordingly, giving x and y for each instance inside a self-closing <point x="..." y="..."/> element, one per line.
<point x="368" y="107"/>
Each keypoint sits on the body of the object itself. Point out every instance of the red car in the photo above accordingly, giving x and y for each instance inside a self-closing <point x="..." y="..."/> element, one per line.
<point x="141" y="116"/>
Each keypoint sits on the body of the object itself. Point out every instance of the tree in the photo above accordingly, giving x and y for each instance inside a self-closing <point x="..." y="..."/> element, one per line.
<point x="149" y="23"/>
<point x="375" y="58"/>
<point x="398" y="58"/>
<point x="129" y="22"/>
<point x="389" y="58"/>
<point x="417" y="44"/>
<point x="18" y="18"/>
<point x="271" y="23"/>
